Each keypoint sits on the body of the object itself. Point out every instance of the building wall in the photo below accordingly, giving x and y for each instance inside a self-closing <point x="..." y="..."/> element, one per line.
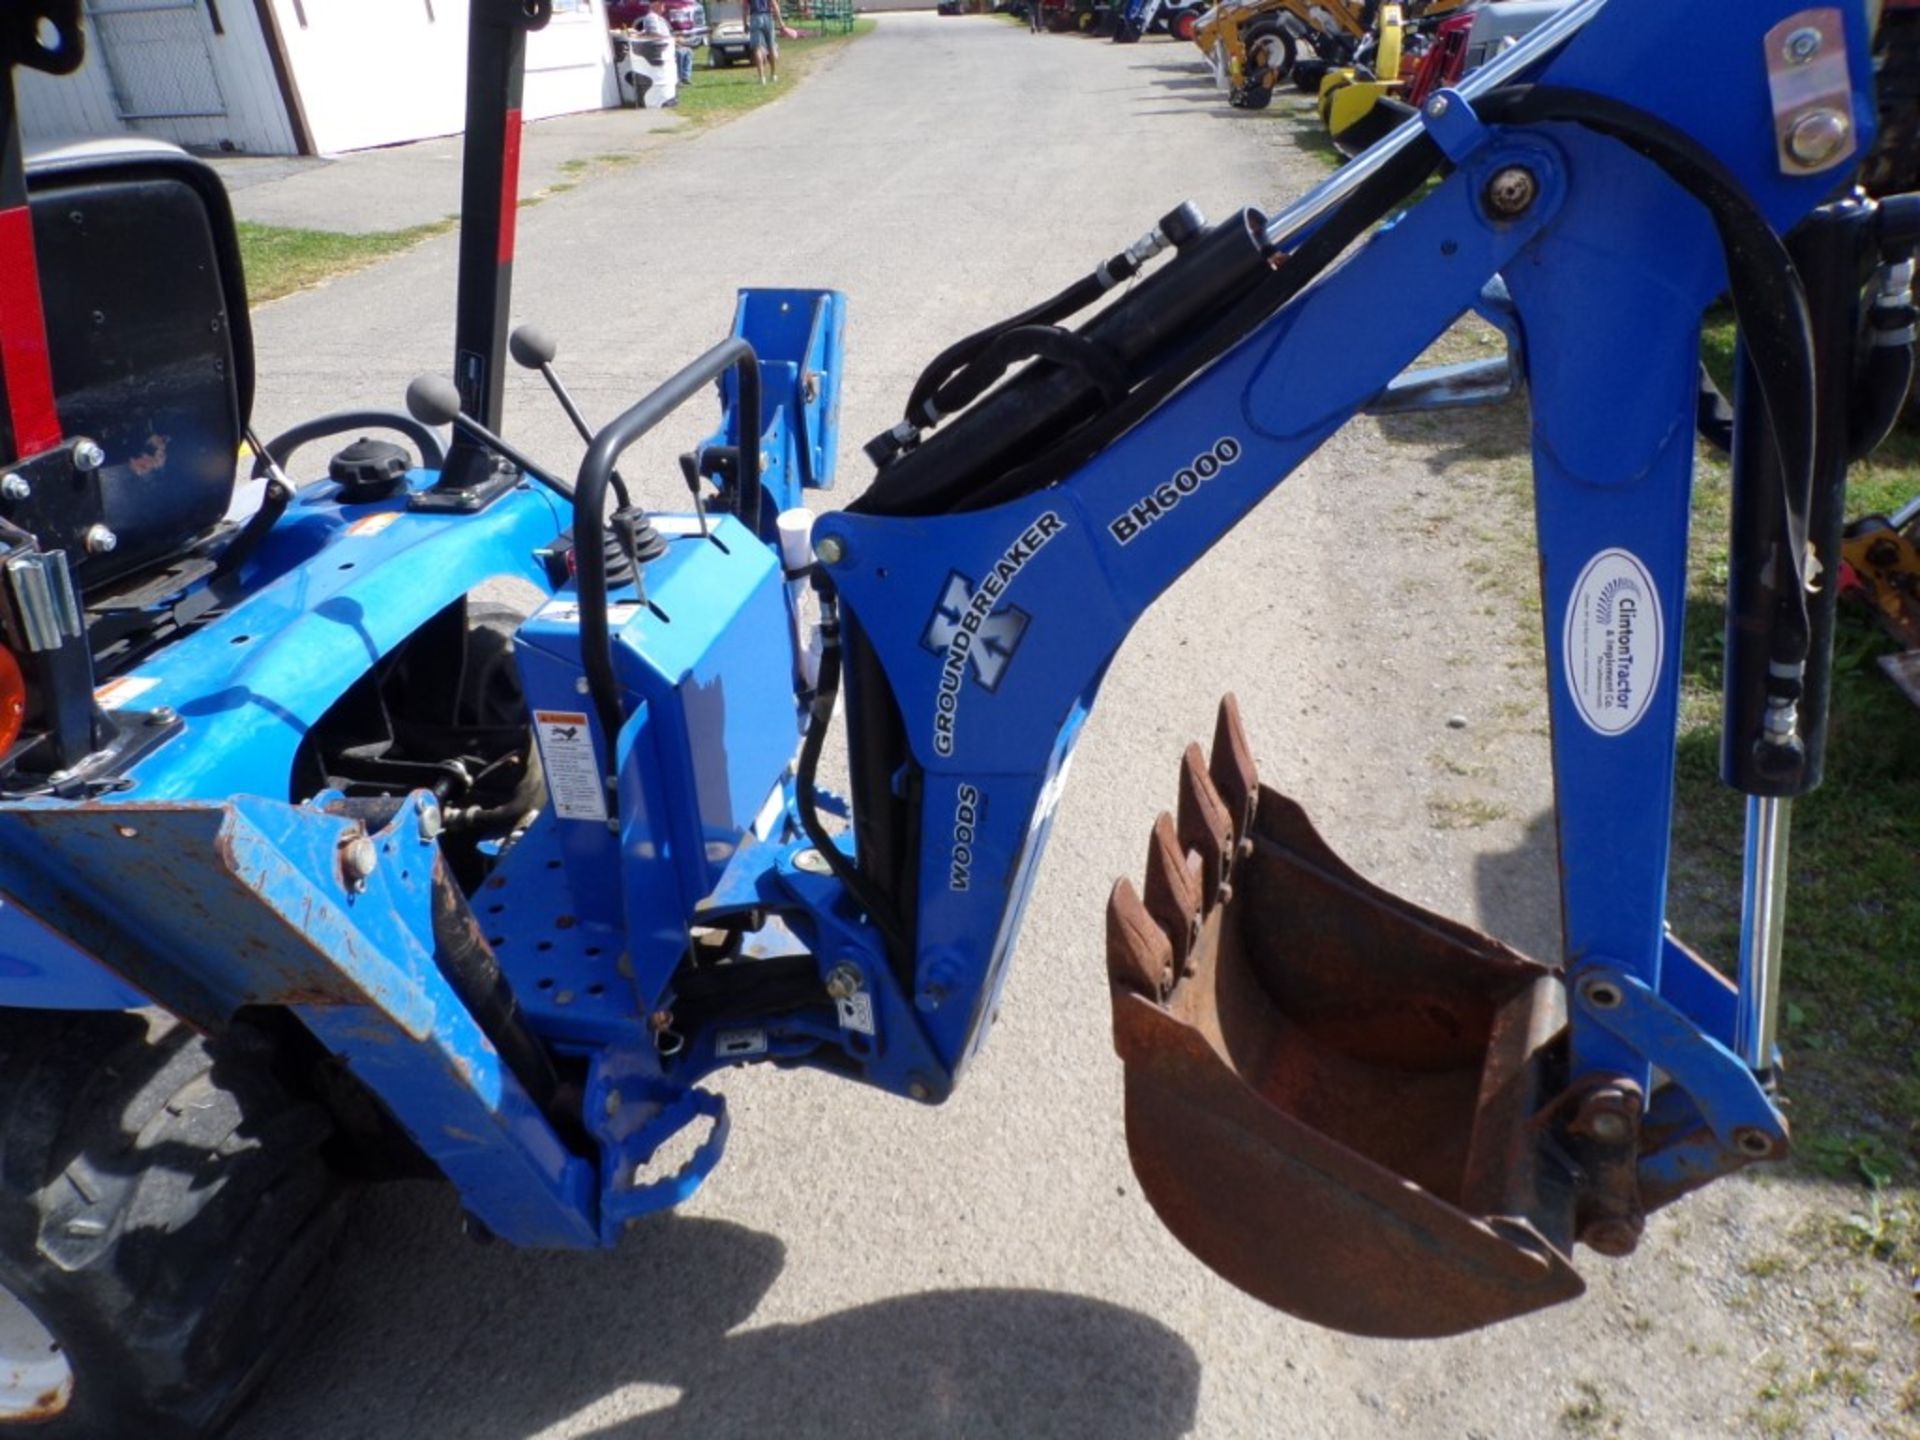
<point x="366" y="73"/>
<point x="379" y="72"/>
<point x="140" y="60"/>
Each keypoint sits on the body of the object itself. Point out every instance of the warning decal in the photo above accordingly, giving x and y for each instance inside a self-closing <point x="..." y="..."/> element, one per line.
<point x="123" y="690"/>
<point x="573" y="770"/>
<point x="856" y="1012"/>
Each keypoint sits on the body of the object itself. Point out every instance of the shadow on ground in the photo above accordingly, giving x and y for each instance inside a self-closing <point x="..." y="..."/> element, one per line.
<point x="1473" y="433"/>
<point x="428" y="1334"/>
<point x="1518" y="891"/>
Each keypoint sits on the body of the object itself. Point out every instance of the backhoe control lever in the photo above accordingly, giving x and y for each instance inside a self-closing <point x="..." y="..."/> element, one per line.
<point x="533" y="349"/>
<point x="434" y="400"/>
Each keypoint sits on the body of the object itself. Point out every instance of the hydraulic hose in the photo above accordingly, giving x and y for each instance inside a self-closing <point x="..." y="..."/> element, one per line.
<point x="928" y="403"/>
<point x="1769" y="305"/>
<point x="1886" y="379"/>
<point x="806" y="797"/>
<point x="1280" y="281"/>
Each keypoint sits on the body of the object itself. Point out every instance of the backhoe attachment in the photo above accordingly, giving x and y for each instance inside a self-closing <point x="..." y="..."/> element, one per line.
<point x="1339" y="1101"/>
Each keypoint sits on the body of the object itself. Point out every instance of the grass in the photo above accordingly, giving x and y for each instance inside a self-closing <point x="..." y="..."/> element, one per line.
<point x="1851" y="995"/>
<point x="280" y="260"/>
<point x="722" y="94"/>
<point x="1588" y="1414"/>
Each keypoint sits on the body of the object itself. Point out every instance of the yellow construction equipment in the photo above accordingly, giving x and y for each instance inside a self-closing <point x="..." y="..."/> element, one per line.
<point x="1350" y="96"/>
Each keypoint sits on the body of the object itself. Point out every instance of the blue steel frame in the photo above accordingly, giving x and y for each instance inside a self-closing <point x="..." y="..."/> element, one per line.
<point x="202" y="888"/>
<point x="1609" y="271"/>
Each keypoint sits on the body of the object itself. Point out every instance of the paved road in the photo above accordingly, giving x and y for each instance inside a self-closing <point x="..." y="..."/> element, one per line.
<point x="859" y="1266"/>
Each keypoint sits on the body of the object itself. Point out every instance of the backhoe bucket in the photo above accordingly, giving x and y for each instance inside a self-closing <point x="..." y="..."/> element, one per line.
<point x="1333" y="1097"/>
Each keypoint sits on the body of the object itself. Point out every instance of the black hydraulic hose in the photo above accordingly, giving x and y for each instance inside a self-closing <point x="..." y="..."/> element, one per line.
<point x="590" y="504"/>
<point x="1076" y="297"/>
<point x="925" y="409"/>
<point x="1044" y="401"/>
<point x="471" y="969"/>
<point x="1370" y="203"/>
<point x="806" y="797"/>
<point x="1884" y="387"/>
<point x="1713" y="415"/>
<point x="1885" y="381"/>
<point x="1027" y="342"/>
<point x="1769" y="303"/>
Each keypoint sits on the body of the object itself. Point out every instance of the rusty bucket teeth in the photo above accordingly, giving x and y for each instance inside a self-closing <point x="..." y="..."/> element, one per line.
<point x="1331" y="1093"/>
<point x="1173" y="891"/>
<point x="1205" y="825"/>
<point x="1189" y="861"/>
<point x="1139" y="955"/>
<point x="1235" y="777"/>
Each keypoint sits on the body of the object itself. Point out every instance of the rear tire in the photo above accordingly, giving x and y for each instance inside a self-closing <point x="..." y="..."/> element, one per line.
<point x="164" y="1214"/>
<point x="1271" y="53"/>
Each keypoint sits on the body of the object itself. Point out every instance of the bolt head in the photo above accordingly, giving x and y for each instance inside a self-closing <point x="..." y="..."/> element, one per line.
<point x="1802" y="45"/>
<point x="1819" y="136"/>
<point x="1438" y="106"/>
<point x="15" y="487"/>
<point x="1601" y="994"/>
<point x="1610" y="1127"/>
<point x="99" y="540"/>
<point x="358" y="857"/>
<point x="918" y="1090"/>
<point x="831" y="550"/>
<point x="811" y="861"/>
<point x="432" y="822"/>
<point x="1512" y="191"/>
<point x="844" y="981"/>
<point x="87" y="456"/>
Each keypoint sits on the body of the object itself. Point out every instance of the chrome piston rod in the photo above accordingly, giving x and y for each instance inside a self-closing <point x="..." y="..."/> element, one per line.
<point x="1537" y="45"/>
<point x="1763" y="920"/>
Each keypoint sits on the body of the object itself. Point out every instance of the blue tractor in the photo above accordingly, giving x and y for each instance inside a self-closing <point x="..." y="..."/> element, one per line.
<point x="316" y="867"/>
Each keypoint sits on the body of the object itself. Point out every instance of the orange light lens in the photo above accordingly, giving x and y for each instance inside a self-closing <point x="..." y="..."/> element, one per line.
<point x="13" y="700"/>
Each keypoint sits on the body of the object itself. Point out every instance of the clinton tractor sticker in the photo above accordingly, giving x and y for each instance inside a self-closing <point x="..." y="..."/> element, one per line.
<point x="1613" y="642"/>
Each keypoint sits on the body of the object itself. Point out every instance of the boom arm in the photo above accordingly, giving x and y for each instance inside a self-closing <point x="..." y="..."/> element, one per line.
<point x="980" y="612"/>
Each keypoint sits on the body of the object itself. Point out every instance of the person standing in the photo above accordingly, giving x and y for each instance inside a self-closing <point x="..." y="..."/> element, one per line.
<point x="657" y="48"/>
<point x="764" y="27"/>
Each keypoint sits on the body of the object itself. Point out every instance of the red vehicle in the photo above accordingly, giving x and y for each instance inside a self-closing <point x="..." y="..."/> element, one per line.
<point x="686" y="18"/>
